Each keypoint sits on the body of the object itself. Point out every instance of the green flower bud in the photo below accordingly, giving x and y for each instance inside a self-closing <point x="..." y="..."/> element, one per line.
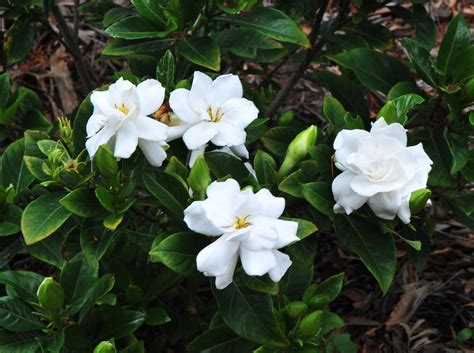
<point x="105" y="347"/>
<point x="106" y="162"/>
<point x="51" y="295"/>
<point x="295" y="309"/>
<point x="65" y="130"/>
<point x="286" y="118"/>
<point x="298" y="150"/>
<point x="310" y="325"/>
<point x="418" y="200"/>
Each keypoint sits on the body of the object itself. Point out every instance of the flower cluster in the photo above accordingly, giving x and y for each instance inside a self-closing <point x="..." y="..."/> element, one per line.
<point x="379" y="169"/>
<point x="212" y="111"/>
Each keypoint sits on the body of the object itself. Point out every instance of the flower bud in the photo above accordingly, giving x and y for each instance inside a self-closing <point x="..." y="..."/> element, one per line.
<point x="310" y="325"/>
<point x="106" y="162"/>
<point x="298" y="150"/>
<point x="105" y="347"/>
<point x="418" y="200"/>
<point x="50" y="295"/>
<point x="295" y="309"/>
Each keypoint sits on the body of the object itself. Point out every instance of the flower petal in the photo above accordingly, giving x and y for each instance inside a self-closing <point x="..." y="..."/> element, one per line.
<point x="394" y="130"/>
<point x="347" y="142"/>
<point x="179" y="103"/>
<point x="285" y="230"/>
<point x="196" y="219"/>
<point x="195" y="154"/>
<point x="102" y="102"/>
<point x="151" y="94"/>
<point x="269" y="205"/>
<point x="240" y="151"/>
<point x="95" y="123"/>
<point x="385" y="204"/>
<point x="225" y="190"/>
<point x="218" y="258"/>
<point x="257" y="263"/>
<point x="177" y="131"/>
<point x="404" y="212"/>
<point x="344" y="195"/>
<point x="150" y="129"/>
<point x="199" y="135"/>
<point x="228" y="134"/>
<point x="239" y="111"/>
<point x="202" y="85"/>
<point x="283" y="263"/>
<point x="153" y="151"/>
<point x="126" y="141"/>
<point x="227" y="278"/>
<point x="101" y="138"/>
<point x="224" y="88"/>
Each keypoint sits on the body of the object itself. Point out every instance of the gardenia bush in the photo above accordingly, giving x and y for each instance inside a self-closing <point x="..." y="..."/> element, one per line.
<point x="186" y="167"/>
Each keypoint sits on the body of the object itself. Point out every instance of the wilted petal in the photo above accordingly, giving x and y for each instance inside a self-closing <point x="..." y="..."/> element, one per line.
<point x="153" y="151"/>
<point x="257" y="263"/>
<point x="126" y="141"/>
<point x="151" y="94"/>
<point x="239" y="111"/>
<point x="150" y="129"/>
<point x="199" y="135"/>
<point x="218" y="258"/>
<point x="344" y="195"/>
<point x="283" y="263"/>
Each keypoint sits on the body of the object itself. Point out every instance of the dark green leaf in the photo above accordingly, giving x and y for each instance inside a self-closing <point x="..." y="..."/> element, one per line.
<point x="19" y="40"/>
<point x="265" y="168"/>
<point x="13" y="169"/>
<point x="165" y="70"/>
<point x="136" y="27"/>
<point x="319" y="195"/>
<point x="95" y="241"/>
<point x="82" y="202"/>
<point x="220" y="339"/>
<point x="17" y="316"/>
<point x="22" y="284"/>
<point x="420" y="58"/>
<point x="202" y="51"/>
<point x="117" y="322"/>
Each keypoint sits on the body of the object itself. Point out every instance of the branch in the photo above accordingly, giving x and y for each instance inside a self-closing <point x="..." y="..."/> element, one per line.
<point x="83" y="69"/>
<point x="316" y="46"/>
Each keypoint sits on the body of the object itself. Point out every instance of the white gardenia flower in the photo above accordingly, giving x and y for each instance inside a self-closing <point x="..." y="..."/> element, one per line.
<point x="378" y="168"/>
<point x="213" y="111"/>
<point x="120" y="120"/>
<point x="248" y="227"/>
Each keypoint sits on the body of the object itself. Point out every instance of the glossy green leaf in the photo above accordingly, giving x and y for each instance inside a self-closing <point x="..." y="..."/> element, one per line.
<point x="319" y="195"/>
<point x="22" y="284"/>
<point x="220" y="339"/>
<point x="265" y="168"/>
<point x="42" y="217"/>
<point x="95" y="240"/>
<point x="14" y="170"/>
<point x="4" y="90"/>
<point x="334" y="113"/>
<point x="165" y="70"/>
<point x="202" y="51"/>
<point x="199" y="177"/>
<point x="117" y="322"/>
<point x="16" y="315"/>
<point x="136" y="27"/>
<point x="156" y="316"/>
<point x="151" y="9"/>
<point x="19" y="40"/>
<point x="82" y="202"/>
<point x="420" y="58"/>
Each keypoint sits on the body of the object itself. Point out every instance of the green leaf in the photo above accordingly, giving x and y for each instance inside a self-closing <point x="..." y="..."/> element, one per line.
<point x="243" y="38"/>
<point x="455" y="41"/>
<point x="49" y="250"/>
<point x="136" y="27"/>
<point x="156" y="316"/>
<point x="334" y="113"/>
<point x="330" y="321"/>
<point x="112" y="221"/>
<point x="4" y="90"/>
<point x="272" y="23"/>
<point x="420" y="58"/>
<point x="79" y="126"/>
<point x="458" y="148"/>
<point x="178" y="251"/>
<point x="100" y="288"/>
<point x="95" y="241"/>
<point x="151" y="9"/>
<point x="169" y="191"/>
<point x="22" y="284"/>
<point x="165" y="70"/>
<point x="14" y="170"/>
<point x="42" y="217"/>
<point x="319" y="195"/>
<point x="17" y="316"/>
<point x="82" y="202"/>
<point x="376" y="249"/>
<point x="375" y="70"/>
<point x="250" y="314"/>
<point x="341" y="343"/>
<point x="396" y="111"/>
<point x="19" y="40"/>
<point x="376" y="35"/>
<point x="202" y="51"/>
<point x="277" y="139"/>
<point x="223" y="164"/>
<point x="402" y="88"/>
<point x="463" y="71"/>
<point x="220" y="339"/>
<point x="117" y="322"/>
<point x="123" y="47"/>
<point x="199" y="177"/>
<point x="265" y="168"/>
<point x="425" y="28"/>
<point x="330" y="287"/>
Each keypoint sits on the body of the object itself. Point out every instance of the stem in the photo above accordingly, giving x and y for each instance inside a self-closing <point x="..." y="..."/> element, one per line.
<point x="316" y="46"/>
<point x="72" y="45"/>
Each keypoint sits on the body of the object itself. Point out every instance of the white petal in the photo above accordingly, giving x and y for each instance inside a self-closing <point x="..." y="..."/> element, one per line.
<point x="257" y="263"/>
<point x="200" y="134"/>
<point x="151" y="94"/>
<point x="240" y="151"/>
<point x="344" y="195"/>
<point x="201" y="86"/>
<point x="126" y="141"/>
<point x="102" y="102"/>
<point x="179" y="103"/>
<point x="218" y="258"/>
<point x="101" y="138"/>
<point x="177" y="131"/>
<point x="286" y="230"/>
<point x="226" y="279"/>
<point x="347" y="142"/>
<point x="363" y="186"/>
<point x="95" y="123"/>
<point x="269" y="205"/>
<point x="150" y="129"/>
<point x="153" y="151"/>
<point x="386" y="204"/>
<point x="394" y="130"/>
<point x="239" y="111"/>
<point x="224" y="88"/>
<point x="196" y="219"/>
<point x="260" y="238"/>
<point x="228" y="134"/>
<point x="404" y="212"/>
<point x="195" y="154"/>
<point x="225" y="190"/>
<point x="283" y="263"/>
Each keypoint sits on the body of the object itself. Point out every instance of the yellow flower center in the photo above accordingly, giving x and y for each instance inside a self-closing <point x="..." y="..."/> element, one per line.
<point x="215" y="117"/>
<point x="241" y="222"/>
<point x="122" y="109"/>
